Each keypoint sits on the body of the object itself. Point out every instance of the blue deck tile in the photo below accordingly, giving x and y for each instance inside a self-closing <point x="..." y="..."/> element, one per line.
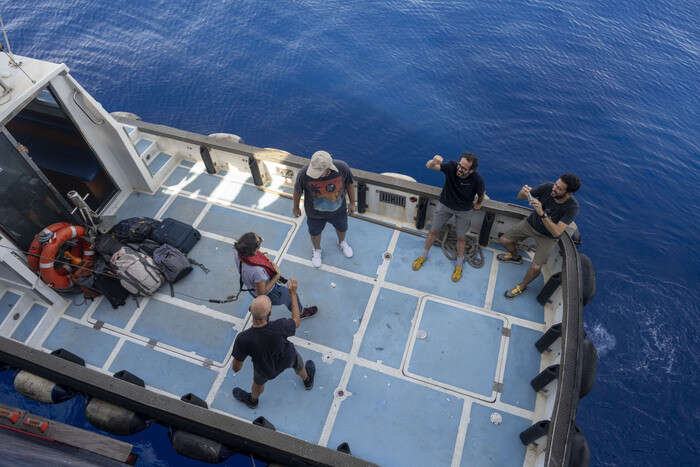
<point x="184" y="209"/>
<point x="187" y="330"/>
<point x="158" y="162"/>
<point x="340" y="307"/>
<point x="437" y="272"/>
<point x="460" y="348"/>
<point x="253" y="197"/>
<point x="232" y="223"/>
<point x="368" y="241"/>
<point x="115" y="316"/>
<point x="142" y="144"/>
<point x="188" y="164"/>
<point x="389" y="326"/>
<point x="178" y="176"/>
<point x="285" y="402"/>
<point x="524" y="306"/>
<point x="202" y="184"/>
<point x="220" y="282"/>
<point x="522" y="364"/>
<point x="77" y="310"/>
<point x="31" y="319"/>
<point x="393" y="422"/>
<point x="488" y="444"/>
<point x="164" y="372"/>
<point x="91" y="345"/>
<point x="141" y="205"/>
<point x="7" y="301"/>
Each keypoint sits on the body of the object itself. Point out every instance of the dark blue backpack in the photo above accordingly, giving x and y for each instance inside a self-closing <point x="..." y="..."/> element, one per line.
<point x="176" y="234"/>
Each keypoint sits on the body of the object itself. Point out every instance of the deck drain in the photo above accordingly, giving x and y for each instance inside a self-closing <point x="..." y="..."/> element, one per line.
<point x="387" y="255"/>
<point x="15" y="316"/>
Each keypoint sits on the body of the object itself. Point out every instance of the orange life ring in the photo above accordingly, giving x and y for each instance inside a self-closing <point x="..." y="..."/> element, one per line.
<point x="36" y="246"/>
<point x="49" y="274"/>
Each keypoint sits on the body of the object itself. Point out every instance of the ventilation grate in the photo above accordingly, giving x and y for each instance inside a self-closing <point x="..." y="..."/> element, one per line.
<point x="392" y="198"/>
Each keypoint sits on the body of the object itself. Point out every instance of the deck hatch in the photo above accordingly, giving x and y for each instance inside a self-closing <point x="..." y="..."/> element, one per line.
<point x="392" y="198"/>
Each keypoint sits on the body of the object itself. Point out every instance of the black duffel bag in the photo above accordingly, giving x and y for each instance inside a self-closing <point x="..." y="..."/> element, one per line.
<point x="176" y="234"/>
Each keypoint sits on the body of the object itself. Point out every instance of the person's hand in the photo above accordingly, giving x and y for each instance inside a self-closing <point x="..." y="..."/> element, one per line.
<point x="351" y="209"/>
<point x="22" y="148"/>
<point x="292" y="285"/>
<point x="526" y="189"/>
<point x="537" y="206"/>
<point x="296" y="211"/>
<point x="476" y="206"/>
<point x="437" y="159"/>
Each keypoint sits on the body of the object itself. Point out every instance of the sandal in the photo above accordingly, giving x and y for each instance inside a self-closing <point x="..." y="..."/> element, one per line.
<point x="515" y="292"/>
<point x="418" y="263"/>
<point x="457" y="275"/>
<point x="509" y="258"/>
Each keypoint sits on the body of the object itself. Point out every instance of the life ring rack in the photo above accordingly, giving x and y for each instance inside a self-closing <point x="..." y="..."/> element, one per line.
<point x="83" y="255"/>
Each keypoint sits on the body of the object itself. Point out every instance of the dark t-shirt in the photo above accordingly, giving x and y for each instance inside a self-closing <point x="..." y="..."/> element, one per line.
<point x="268" y="346"/>
<point x="458" y="193"/>
<point x="564" y="212"/>
<point x="324" y="196"/>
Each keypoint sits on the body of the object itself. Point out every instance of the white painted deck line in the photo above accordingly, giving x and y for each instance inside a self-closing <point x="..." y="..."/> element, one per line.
<point x="332" y="269"/>
<point x="356" y="344"/>
<point x="113" y="354"/>
<point x="448" y="301"/>
<point x="201" y="215"/>
<point x="461" y="433"/>
<point x="490" y="290"/>
<point x="49" y="320"/>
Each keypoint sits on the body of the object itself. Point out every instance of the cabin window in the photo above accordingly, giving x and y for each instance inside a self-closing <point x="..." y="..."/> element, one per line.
<point x="60" y="151"/>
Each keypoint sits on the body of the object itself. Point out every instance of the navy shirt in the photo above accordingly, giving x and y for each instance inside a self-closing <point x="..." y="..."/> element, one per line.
<point x="458" y="193"/>
<point x="564" y="212"/>
<point x="324" y="196"/>
<point x="268" y="346"/>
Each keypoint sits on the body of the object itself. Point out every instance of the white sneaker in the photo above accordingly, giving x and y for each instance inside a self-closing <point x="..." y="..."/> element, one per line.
<point x="345" y="248"/>
<point x="316" y="259"/>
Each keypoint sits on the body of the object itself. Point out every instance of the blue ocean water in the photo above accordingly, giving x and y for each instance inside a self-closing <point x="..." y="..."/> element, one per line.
<point x="605" y="89"/>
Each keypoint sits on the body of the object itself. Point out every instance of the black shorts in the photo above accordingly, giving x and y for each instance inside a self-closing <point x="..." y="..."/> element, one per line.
<point x="339" y="219"/>
<point x="297" y="365"/>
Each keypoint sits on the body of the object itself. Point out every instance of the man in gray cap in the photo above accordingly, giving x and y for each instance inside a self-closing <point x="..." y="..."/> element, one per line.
<point x="324" y="183"/>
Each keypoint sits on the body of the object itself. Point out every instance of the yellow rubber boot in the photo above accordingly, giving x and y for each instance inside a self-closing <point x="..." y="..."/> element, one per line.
<point x="457" y="275"/>
<point x="418" y="263"/>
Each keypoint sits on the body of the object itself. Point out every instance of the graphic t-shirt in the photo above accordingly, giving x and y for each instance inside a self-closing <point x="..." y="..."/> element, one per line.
<point x="458" y="193"/>
<point x="564" y="212"/>
<point x="324" y="196"/>
<point x="268" y="347"/>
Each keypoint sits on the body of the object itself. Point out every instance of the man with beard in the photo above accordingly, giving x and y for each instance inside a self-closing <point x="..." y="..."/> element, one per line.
<point x="554" y="209"/>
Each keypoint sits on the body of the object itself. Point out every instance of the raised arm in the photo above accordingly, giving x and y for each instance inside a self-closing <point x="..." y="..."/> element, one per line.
<point x="292" y="286"/>
<point x="435" y="162"/>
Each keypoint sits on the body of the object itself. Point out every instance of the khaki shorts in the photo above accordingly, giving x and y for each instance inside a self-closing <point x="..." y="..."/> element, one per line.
<point x="523" y="230"/>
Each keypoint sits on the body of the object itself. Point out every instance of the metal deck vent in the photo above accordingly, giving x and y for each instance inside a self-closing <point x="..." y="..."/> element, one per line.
<point x="392" y="198"/>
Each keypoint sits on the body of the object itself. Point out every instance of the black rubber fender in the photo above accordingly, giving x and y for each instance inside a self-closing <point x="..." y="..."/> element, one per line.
<point x="580" y="453"/>
<point x="589" y="367"/>
<point x="41" y="389"/>
<point x="114" y="419"/>
<point x="199" y="448"/>
<point x="587" y="279"/>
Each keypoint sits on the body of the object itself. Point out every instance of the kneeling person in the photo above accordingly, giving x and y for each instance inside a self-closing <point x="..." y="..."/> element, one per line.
<point x="260" y="276"/>
<point x="266" y="343"/>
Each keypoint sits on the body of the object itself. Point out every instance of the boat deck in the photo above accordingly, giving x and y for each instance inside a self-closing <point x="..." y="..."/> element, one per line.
<point x="410" y="366"/>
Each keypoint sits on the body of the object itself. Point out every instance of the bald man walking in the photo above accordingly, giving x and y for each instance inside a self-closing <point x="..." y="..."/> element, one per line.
<point x="266" y="343"/>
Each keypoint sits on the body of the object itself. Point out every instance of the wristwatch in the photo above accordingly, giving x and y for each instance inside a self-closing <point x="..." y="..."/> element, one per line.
<point x="543" y="216"/>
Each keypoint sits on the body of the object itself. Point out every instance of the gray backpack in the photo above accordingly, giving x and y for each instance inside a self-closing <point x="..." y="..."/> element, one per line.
<point x="172" y="263"/>
<point x="137" y="272"/>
